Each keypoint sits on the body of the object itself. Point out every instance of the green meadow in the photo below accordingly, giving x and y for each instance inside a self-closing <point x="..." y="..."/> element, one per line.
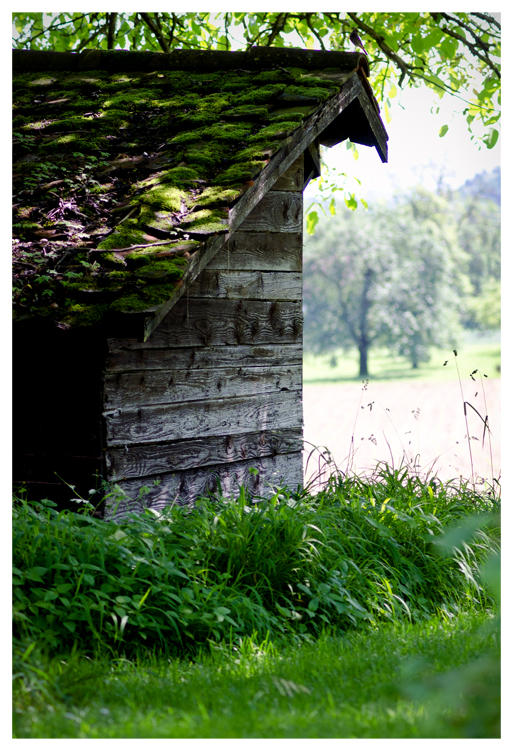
<point x="367" y="610"/>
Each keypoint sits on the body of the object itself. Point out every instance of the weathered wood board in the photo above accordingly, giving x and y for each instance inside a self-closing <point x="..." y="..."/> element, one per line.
<point x="128" y="389"/>
<point x="278" y="211"/>
<point x="129" y="354"/>
<point x="259" y="285"/>
<point x="192" y="419"/>
<point x="262" y="251"/>
<point x="160" y="458"/>
<point x="217" y="322"/>
<point x="293" y="179"/>
<point x="184" y="487"/>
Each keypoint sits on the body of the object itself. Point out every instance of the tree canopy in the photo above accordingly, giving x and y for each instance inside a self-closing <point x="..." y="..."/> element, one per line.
<point x="392" y="277"/>
<point x="451" y="53"/>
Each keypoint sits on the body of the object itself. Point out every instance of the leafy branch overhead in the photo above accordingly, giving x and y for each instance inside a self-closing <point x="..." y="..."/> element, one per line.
<point x="454" y="53"/>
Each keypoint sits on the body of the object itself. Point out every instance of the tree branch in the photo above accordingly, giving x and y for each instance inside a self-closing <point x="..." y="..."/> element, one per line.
<point x="403" y="67"/>
<point x="111" y="30"/>
<point x="277" y="27"/>
<point x="472" y="47"/>
<point x="148" y="20"/>
<point x="314" y="32"/>
<point x="487" y="17"/>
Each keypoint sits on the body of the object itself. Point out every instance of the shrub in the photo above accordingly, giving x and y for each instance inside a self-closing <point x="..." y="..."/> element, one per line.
<point x="359" y="551"/>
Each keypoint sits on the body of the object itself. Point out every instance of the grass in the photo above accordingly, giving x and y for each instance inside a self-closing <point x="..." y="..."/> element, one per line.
<point x="484" y="354"/>
<point x="387" y="682"/>
<point x="347" y="613"/>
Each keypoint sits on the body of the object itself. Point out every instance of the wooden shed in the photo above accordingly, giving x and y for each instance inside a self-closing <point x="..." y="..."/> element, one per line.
<point x="158" y="216"/>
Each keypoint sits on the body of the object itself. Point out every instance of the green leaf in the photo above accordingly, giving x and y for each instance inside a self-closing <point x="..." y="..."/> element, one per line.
<point x="443" y="130"/>
<point x="417" y="44"/>
<point x="351" y="202"/>
<point x="34" y="574"/>
<point x="312" y="219"/>
<point x="491" y="138"/>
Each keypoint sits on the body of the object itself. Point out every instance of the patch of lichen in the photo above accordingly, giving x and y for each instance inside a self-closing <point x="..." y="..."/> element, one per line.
<point x="207" y="221"/>
<point x="294" y="117"/>
<point x="247" y="110"/>
<point x="161" y="270"/>
<point x="180" y="176"/>
<point x="224" y="131"/>
<point x="319" y="92"/>
<point x="84" y="314"/>
<point x="92" y="79"/>
<point x="239" y="173"/>
<point x="132" y="99"/>
<point x="146" y="298"/>
<point x="217" y="196"/>
<point x="196" y="119"/>
<point x="260" y="95"/>
<point x="276" y="130"/>
<point x="122" y="238"/>
<point x="165" y="197"/>
<point x="160" y="221"/>
<point x="207" y="154"/>
<point x="74" y="142"/>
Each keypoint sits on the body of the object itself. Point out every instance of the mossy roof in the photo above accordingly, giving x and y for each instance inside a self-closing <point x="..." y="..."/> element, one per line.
<point x="128" y="165"/>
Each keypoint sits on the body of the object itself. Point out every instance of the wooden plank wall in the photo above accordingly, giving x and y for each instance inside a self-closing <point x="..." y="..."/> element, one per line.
<point x="217" y="388"/>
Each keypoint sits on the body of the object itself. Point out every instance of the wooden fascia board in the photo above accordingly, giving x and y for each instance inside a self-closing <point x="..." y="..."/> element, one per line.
<point x="290" y="151"/>
<point x="378" y="131"/>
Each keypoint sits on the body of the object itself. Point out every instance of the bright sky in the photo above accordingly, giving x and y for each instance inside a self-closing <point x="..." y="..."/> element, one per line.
<point x="416" y="153"/>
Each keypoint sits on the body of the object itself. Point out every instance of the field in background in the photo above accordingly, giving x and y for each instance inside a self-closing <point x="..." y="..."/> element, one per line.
<point x="407" y="415"/>
<point x="482" y="353"/>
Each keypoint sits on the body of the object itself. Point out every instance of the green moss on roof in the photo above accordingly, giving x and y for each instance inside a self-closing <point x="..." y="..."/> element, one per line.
<point x="164" y="197"/>
<point x="108" y="161"/>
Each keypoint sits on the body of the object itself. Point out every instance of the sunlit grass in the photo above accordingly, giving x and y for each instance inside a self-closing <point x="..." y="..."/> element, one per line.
<point x="484" y="355"/>
<point x="374" y="684"/>
<point x="367" y="610"/>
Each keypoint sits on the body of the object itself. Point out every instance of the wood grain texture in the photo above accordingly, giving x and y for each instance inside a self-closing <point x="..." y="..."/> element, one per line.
<point x="184" y="487"/>
<point x="192" y="419"/>
<point x="293" y="179"/>
<point x="260" y="285"/>
<point x="262" y="251"/>
<point x="278" y="211"/>
<point x="129" y="354"/>
<point x="160" y="458"/>
<point x="214" y="322"/>
<point x="129" y="389"/>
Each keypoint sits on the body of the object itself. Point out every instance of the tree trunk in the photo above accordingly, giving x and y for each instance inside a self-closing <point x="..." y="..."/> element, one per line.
<point x="365" y="306"/>
<point x="363" y="349"/>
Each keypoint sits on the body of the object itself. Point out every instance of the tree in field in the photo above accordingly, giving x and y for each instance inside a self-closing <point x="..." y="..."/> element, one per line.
<point x="451" y="53"/>
<point x="386" y="278"/>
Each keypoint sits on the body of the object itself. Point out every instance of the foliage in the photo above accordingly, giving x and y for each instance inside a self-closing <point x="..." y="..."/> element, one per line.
<point x="376" y="682"/>
<point x="485" y="309"/>
<point x="390" y="277"/>
<point x="479" y="236"/>
<point x="359" y="552"/>
<point x="455" y="53"/>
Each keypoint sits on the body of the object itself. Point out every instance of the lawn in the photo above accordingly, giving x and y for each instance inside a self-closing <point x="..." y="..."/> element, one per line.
<point x="481" y="353"/>
<point x="439" y="678"/>
<point x="368" y="610"/>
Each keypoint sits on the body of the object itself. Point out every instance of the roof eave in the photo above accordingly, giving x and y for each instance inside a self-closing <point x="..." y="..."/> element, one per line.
<point x="353" y="90"/>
